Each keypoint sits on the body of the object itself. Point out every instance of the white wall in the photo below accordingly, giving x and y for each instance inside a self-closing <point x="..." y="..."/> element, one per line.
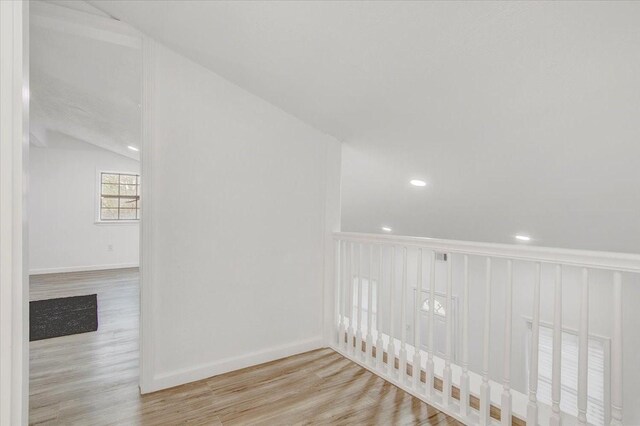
<point x="63" y="194"/>
<point x="234" y="271"/>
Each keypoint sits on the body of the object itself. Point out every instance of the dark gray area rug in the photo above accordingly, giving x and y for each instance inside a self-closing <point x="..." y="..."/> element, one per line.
<point x="63" y="316"/>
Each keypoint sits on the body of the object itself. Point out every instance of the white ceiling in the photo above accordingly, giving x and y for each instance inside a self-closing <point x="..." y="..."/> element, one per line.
<point x="522" y="116"/>
<point x="82" y="86"/>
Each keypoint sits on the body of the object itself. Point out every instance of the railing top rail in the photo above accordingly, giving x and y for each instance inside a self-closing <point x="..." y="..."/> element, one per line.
<point x="623" y="262"/>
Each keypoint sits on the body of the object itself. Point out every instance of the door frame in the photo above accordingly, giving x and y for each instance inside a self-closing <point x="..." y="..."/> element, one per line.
<point x="14" y="151"/>
<point x="146" y="259"/>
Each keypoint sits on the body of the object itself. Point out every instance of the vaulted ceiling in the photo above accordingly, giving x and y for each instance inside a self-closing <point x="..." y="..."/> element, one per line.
<point x="84" y="85"/>
<point x="523" y="117"/>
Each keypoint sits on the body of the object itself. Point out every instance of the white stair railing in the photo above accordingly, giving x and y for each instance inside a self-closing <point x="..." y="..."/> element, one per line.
<point x="467" y="385"/>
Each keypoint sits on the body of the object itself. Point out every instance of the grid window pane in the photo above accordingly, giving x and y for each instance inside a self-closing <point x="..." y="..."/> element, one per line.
<point x="109" y="214"/>
<point x="109" y="202"/>
<point x="128" y="179"/>
<point x="110" y="178"/>
<point x="127" y="203"/>
<point x="127" y="214"/>
<point x="108" y="189"/>
<point x="119" y="196"/>
<point x="128" y="189"/>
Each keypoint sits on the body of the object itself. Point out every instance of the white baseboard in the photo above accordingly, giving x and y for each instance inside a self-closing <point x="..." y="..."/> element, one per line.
<point x="81" y="268"/>
<point x="203" y="371"/>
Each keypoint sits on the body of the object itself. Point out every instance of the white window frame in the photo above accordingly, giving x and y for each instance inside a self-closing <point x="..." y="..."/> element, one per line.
<point x="606" y="345"/>
<point x="98" y="198"/>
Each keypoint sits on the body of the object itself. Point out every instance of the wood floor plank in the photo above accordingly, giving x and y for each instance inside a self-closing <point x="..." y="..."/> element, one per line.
<point x="92" y="378"/>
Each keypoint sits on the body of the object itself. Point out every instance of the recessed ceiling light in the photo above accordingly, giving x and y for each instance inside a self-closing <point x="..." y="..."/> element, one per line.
<point x="133" y="148"/>
<point x="418" y="182"/>
<point x="523" y="238"/>
<point x="386" y="229"/>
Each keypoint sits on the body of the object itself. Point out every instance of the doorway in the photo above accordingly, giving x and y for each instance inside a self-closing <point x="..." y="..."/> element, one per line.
<point x="83" y="209"/>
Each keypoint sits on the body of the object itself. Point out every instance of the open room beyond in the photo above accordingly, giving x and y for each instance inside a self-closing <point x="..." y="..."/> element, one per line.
<point x="319" y="212"/>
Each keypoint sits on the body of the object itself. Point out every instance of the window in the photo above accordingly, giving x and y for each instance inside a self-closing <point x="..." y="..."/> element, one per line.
<point x="438" y="307"/>
<point x="596" y="413"/>
<point x="119" y="196"/>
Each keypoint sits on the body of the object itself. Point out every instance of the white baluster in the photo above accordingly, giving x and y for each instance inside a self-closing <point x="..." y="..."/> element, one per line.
<point x="379" y="341"/>
<point x="464" y="378"/>
<point x="359" y="352"/>
<point x="338" y="292"/>
<point x="391" y="347"/>
<point x="370" y="308"/>
<point x="403" y="316"/>
<point x="532" y="407"/>
<point x="432" y="294"/>
<point x="556" y="416"/>
<point x="350" y="331"/>
<point x="583" y="353"/>
<point x="505" y="407"/>
<point x="446" y="375"/>
<point x="416" y="326"/>
<point x="485" y="389"/>
<point x="345" y="294"/>
<point x="616" y="353"/>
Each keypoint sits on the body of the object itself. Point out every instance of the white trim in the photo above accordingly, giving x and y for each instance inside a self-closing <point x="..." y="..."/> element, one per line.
<point x="14" y="149"/>
<point x="203" y="371"/>
<point x="62" y="269"/>
<point x="147" y="331"/>
<point x="623" y="262"/>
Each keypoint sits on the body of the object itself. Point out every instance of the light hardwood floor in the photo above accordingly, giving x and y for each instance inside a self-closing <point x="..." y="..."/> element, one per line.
<point x="92" y="378"/>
